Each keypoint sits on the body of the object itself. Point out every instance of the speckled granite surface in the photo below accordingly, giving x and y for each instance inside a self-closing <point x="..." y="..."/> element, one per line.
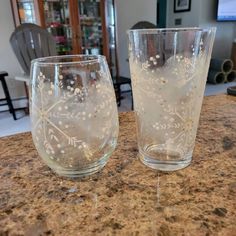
<point x="126" y="198"/>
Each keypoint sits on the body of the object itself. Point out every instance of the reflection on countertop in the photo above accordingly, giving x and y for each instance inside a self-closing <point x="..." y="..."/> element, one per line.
<point x="126" y="198"/>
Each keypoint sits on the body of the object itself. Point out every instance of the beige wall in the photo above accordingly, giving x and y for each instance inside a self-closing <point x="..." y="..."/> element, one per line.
<point x="8" y="61"/>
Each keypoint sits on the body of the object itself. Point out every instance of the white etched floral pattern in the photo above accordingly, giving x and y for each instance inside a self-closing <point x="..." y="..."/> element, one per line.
<point x="167" y="99"/>
<point x="72" y="118"/>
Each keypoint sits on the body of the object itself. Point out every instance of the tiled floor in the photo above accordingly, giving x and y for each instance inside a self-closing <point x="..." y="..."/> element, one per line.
<point x="9" y="127"/>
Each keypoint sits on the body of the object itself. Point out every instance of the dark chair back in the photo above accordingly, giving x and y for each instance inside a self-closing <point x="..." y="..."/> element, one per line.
<point x="30" y="41"/>
<point x="143" y="25"/>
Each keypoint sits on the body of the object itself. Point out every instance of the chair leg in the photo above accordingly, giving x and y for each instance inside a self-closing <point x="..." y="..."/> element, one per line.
<point x="117" y="92"/>
<point x="27" y="97"/>
<point x="8" y="98"/>
<point x="132" y="100"/>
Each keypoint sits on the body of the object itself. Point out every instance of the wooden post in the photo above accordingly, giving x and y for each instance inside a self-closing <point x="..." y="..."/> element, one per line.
<point x="39" y="12"/>
<point x="15" y="13"/>
<point x="116" y="44"/>
<point x="75" y="26"/>
<point x="105" y="41"/>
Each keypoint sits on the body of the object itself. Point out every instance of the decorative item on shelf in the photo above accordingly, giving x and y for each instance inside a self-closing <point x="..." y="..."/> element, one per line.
<point x="95" y="51"/>
<point x="62" y="36"/>
<point x="221" y="71"/>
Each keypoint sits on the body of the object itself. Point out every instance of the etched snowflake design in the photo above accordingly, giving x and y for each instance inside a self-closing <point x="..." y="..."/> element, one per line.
<point x="53" y="112"/>
<point x="172" y="121"/>
<point x="179" y="127"/>
<point x="44" y="125"/>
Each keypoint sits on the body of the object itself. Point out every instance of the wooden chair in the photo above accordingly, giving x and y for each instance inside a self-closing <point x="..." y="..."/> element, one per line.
<point x="117" y="82"/>
<point x="30" y="41"/>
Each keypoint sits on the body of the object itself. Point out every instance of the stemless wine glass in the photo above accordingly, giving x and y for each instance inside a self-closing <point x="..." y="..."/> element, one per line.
<point x="168" y="72"/>
<point x="73" y="111"/>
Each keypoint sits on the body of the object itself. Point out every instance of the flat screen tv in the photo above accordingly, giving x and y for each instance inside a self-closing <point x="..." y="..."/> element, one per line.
<point x="226" y="10"/>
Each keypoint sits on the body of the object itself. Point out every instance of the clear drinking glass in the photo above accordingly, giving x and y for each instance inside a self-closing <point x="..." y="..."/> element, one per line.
<point x="74" y="115"/>
<point x="168" y="72"/>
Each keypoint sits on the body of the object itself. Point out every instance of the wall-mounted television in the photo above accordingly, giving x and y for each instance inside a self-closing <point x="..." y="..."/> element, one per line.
<point x="226" y="10"/>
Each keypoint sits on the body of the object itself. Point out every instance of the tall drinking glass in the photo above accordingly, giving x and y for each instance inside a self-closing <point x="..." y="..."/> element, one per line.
<point x="168" y="72"/>
<point x="74" y="115"/>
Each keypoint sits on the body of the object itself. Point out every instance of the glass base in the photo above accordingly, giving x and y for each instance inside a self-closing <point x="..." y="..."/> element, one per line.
<point x="89" y="170"/>
<point x="164" y="160"/>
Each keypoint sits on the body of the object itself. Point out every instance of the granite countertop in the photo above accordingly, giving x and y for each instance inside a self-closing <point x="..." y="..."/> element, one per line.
<point x="126" y="197"/>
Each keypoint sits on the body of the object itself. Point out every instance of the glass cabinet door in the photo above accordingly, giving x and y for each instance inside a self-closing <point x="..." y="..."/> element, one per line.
<point x="57" y="21"/>
<point x="26" y="11"/>
<point x="90" y="26"/>
<point x="94" y="15"/>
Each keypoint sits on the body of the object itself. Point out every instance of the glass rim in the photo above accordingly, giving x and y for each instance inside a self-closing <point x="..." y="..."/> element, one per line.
<point x="170" y="30"/>
<point x="46" y="60"/>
